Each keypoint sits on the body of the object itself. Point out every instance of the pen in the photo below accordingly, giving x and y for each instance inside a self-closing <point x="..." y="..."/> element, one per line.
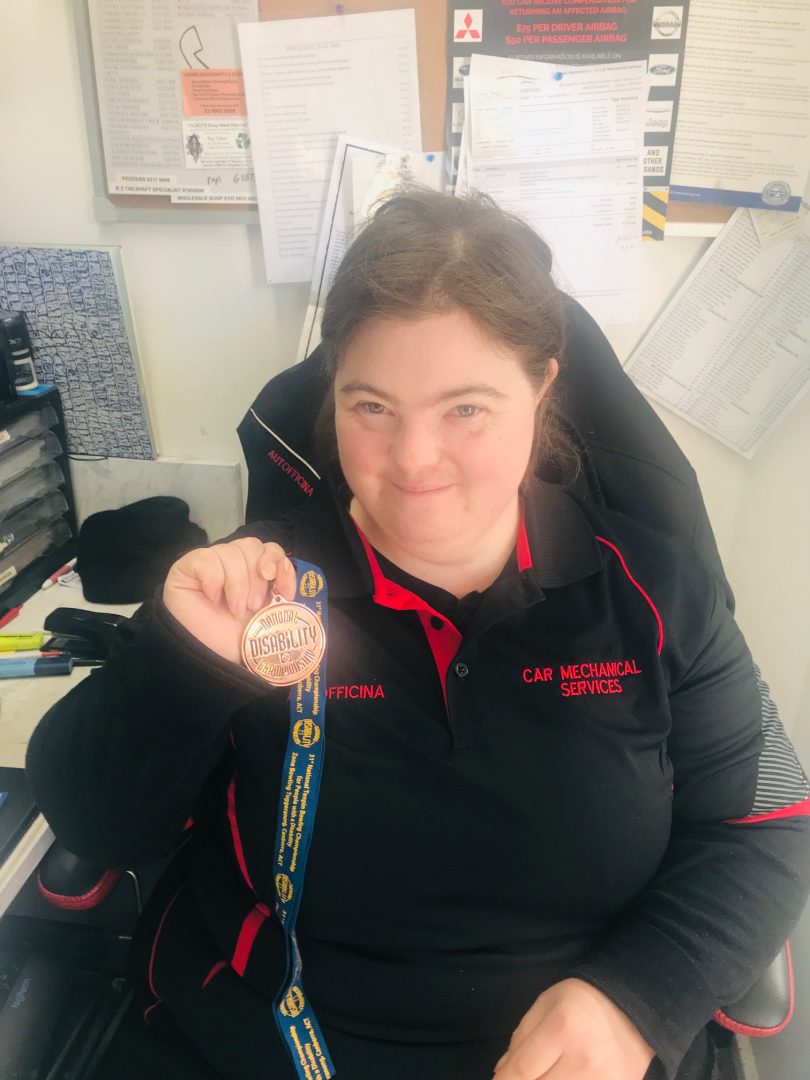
<point x="35" y="667"/>
<point x="46" y="584"/>
<point x="18" y="642"/>
<point x="7" y="614"/>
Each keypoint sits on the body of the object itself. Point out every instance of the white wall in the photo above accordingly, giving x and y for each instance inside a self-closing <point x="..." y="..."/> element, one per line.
<point x="211" y="333"/>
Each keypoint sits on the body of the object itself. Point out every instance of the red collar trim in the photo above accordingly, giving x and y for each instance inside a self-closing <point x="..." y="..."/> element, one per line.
<point x="386" y="591"/>
<point x="524" y="554"/>
<point x="443" y="637"/>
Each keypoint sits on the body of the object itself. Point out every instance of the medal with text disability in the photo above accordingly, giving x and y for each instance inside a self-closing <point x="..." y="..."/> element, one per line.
<point x="283" y="643"/>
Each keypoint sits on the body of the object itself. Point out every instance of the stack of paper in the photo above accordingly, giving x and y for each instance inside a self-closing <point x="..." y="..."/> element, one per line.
<point x="562" y="146"/>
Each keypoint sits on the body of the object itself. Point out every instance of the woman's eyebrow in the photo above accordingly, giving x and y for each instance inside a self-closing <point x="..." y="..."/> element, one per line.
<point x="358" y="386"/>
<point x="467" y="389"/>
<point x="470" y="389"/>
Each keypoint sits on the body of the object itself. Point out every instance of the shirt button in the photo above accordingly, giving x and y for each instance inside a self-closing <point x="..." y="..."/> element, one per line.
<point x="436" y="622"/>
<point x="461" y="670"/>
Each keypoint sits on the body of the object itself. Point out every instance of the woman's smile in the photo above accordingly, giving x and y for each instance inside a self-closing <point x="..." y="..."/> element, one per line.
<point x="416" y="490"/>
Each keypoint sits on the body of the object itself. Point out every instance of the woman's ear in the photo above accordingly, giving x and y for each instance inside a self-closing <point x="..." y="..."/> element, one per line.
<point x="551" y="375"/>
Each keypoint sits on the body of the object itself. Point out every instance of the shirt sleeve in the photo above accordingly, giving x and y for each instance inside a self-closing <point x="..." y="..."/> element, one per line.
<point x="118" y="764"/>
<point x="736" y="873"/>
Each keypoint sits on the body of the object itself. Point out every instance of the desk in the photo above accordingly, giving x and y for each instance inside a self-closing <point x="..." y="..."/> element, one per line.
<point x="22" y="703"/>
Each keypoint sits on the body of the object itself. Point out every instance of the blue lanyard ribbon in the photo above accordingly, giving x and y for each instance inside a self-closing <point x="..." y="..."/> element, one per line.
<point x="298" y="800"/>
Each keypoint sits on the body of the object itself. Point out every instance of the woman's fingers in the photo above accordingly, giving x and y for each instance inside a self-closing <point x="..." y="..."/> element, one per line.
<point x="533" y="1059"/>
<point x="239" y="575"/>
<point x="276" y="567"/>
<point x="251" y="568"/>
<point x="202" y="570"/>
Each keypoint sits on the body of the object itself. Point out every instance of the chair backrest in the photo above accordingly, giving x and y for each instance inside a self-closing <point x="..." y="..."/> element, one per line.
<point x="630" y="462"/>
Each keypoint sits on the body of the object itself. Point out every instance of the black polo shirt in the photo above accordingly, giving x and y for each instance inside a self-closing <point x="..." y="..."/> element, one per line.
<point x="564" y="787"/>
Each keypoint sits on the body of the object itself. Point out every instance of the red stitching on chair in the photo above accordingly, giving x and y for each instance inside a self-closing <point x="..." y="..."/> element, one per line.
<point x="92" y="898"/>
<point x="761" y="1032"/>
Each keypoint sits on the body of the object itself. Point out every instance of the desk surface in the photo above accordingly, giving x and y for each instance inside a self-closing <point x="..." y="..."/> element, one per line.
<point x="22" y="703"/>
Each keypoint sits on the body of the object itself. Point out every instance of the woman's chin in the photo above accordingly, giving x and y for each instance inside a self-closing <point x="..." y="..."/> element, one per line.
<point x="425" y="539"/>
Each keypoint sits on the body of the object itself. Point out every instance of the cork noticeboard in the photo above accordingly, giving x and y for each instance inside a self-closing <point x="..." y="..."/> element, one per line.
<point x="431" y="30"/>
<point x="431" y="21"/>
<point x="690" y="213"/>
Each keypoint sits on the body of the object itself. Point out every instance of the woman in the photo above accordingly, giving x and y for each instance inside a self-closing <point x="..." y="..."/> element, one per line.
<point x="534" y="853"/>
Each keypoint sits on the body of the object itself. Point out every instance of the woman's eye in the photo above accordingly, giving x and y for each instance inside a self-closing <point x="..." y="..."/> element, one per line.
<point x="376" y="408"/>
<point x="467" y="410"/>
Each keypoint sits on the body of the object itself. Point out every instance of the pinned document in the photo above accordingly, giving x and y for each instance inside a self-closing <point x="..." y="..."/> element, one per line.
<point x="307" y="81"/>
<point x="743" y="135"/>
<point x="731" y="351"/>
<point x="363" y="174"/>
<point x="562" y="147"/>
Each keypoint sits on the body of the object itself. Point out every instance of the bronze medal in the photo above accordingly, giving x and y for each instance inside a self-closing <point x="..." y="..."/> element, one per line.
<point x="283" y="643"/>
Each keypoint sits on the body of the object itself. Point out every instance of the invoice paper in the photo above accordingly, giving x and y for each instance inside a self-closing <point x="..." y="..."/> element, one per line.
<point x="743" y="135"/>
<point x="568" y="32"/>
<point x="526" y="109"/>
<point x="562" y="147"/>
<point x="307" y="81"/>
<point x="731" y="351"/>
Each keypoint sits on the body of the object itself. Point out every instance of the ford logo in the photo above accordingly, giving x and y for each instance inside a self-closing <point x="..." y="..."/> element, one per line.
<point x="662" y="69"/>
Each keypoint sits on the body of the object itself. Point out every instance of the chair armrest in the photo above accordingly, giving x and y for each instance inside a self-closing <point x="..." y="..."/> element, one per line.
<point x="73" y="883"/>
<point x="768" y="1006"/>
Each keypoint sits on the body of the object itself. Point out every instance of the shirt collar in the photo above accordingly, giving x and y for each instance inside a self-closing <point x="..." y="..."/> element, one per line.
<point x="562" y="542"/>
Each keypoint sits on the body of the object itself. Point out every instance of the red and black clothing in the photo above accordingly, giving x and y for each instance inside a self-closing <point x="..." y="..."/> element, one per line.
<point x="575" y="784"/>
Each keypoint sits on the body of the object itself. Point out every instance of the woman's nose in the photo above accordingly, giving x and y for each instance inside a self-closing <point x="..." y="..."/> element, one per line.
<point x="415" y="449"/>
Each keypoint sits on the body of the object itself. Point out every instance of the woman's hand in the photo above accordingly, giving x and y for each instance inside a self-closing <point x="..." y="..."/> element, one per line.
<point x="215" y="591"/>
<point x="575" y="1032"/>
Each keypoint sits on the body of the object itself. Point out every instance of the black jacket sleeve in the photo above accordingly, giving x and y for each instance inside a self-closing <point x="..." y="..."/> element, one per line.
<point x="736" y="873"/>
<point x="117" y="765"/>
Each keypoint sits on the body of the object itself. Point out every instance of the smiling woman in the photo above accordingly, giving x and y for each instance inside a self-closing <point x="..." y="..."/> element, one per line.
<point x="435" y="448"/>
<point x="551" y="839"/>
<point x="441" y="333"/>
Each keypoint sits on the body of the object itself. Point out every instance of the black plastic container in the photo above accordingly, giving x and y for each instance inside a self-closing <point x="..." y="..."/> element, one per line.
<point x="18" y="356"/>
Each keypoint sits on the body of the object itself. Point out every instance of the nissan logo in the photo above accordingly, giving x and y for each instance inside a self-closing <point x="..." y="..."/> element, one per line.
<point x="667" y="23"/>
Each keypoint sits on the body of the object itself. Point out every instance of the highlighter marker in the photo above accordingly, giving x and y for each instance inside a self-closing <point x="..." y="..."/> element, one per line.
<point x="18" y="642"/>
<point x="35" y="667"/>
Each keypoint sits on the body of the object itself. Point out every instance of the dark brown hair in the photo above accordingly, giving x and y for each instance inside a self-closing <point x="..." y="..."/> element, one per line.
<point x="424" y="253"/>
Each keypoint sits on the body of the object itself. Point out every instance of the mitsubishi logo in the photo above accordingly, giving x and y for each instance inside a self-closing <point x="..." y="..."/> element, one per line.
<point x="464" y="24"/>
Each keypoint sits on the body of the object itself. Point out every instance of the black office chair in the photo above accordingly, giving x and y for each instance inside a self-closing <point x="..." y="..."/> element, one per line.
<point x="629" y="461"/>
<point x="73" y="978"/>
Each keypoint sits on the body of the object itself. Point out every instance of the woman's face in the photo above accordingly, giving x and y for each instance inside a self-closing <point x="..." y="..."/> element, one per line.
<point x="435" y="423"/>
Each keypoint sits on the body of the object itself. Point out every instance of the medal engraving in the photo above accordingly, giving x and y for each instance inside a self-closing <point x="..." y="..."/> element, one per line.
<point x="283" y="643"/>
